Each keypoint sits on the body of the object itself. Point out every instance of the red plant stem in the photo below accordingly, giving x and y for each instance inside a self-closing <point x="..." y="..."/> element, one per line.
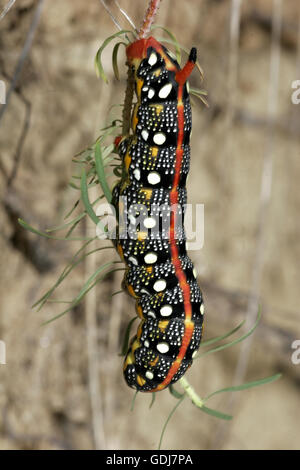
<point x="149" y="18"/>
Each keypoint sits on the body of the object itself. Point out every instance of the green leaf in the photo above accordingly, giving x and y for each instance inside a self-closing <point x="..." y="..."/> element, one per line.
<point x="245" y="386"/>
<point x="67" y="270"/>
<point x="220" y="338"/>
<point x="215" y="413"/>
<point x="167" y="421"/>
<point x="85" y="199"/>
<point x="232" y="343"/>
<point x="174" y="392"/>
<point x="101" y="173"/>
<point x="168" y="41"/>
<point x="152" y="400"/>
<point x="46" y="235"/>
<point x="173" y="41"/>
<point x="98" y="62"/>
<point x="89" y="284"/>
<point x="115" y="58"/>
<point x="133" y="400"/>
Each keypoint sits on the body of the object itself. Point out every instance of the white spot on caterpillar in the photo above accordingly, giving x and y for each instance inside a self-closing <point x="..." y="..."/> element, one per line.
<point x="152" y="59"/>
<point x="151" y="314"/>
<point x="133" y="260"/>
<point x="165" y="90"/>
<point x="149" y="375"/>
<point x="146" y="343"/>
<point x="195" y="273"/>
<point x="194" y="354"/>
<point x="188" y="87"/>
<point x="145" y="88"/>
<point x="159" y="138"/>
<point x="151" y="93"/>
<point x="150" y="258"/>
<point x="166" y="310"/>
<point x="137" y="173"/>
<point x="144" y="291"/>
<point x="160" y="285"/>
<point x="202" y="309"/>
<point x="149" y="222"/>
<point x="153" y="177"/>
<point x="163" y="347"/>
<point x="145" y="134"/>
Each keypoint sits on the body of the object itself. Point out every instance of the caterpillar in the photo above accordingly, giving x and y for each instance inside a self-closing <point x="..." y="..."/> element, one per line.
<point x="159" y="274"/>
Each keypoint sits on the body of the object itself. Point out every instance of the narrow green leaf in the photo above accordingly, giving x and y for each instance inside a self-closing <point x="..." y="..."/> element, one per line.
<point x="232" y="343"/>
<point x="98" y="62"/>
<point x="215" y="413"/>
<point x="67" y="270"/>
<point x="46" y="235"/>
<point x="169" y="41"/>
<point x="115" y="58"/>
<point x="85" y="289"/>
<point x="85" y="199"/>
<point x="133" y="400"/>
<point x="101" y="173"/>
<point x="173" y="41"/>
<point x="167" y="421"/>
<point x="220" y="338"/>
<point x="245" y="386"/>
<point x="152" y="400"/>
<point x="174" y="392"/>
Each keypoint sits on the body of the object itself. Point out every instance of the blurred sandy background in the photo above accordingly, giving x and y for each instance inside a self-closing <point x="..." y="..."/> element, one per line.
<point x="62" y="386"/>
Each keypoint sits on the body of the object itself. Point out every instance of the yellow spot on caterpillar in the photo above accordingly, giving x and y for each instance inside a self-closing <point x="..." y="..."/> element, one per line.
<point x="154" y="362"/>
<point x="141" y="235"/>
<point x="120" y="251"/>
<point x="139" y="311"/>
<point x="154" y="151"/>
<point x="130" y="290"/>
<point x="139" y="331"/>
<point x="140" y="380"/>
<point x="162" y="325"/>
<point x="159" y="109"/>
<point x="129" y="360"/>
<point x="147" y="192"/>
<point x="127" y="161"/>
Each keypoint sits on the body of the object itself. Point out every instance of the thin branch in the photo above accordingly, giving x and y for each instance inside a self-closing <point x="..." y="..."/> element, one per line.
<point x="24" y="54"/>
<point x="6" y="9"/>
<point x="126" y="16"/>
<point x="265" y="198"/>
<point x="93" y="357"/>
<point x="21" y="141"/>
<point x="114" y="20"/>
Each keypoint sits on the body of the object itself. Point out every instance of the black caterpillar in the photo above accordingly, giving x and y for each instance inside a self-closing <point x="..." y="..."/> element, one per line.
<point x="159" y="274"/>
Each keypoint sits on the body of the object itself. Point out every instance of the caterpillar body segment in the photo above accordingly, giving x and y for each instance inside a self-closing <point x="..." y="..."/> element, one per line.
<point x="159" y="274"/>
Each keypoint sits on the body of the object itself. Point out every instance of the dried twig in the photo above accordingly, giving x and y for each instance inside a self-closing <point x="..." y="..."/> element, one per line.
<point x="24" y="54"/>
<point x="6" y="9"/>
<point x="93" y="356"/>
<point x="265" y="198"/>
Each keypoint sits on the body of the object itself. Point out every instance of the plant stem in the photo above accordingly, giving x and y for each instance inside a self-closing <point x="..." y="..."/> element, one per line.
<point x="149" y="18"/>
<point x="191" y="392"/>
